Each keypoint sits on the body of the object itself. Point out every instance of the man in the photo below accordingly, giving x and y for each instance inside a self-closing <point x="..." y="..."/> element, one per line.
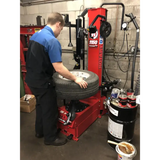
<point x="43" y="59"/>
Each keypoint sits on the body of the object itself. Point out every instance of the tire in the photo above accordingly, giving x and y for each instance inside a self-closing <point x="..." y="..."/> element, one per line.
<point x="69" y="90"/>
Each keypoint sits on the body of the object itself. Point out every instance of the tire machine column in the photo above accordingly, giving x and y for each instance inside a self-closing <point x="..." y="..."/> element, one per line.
<point x="96" y="51"/>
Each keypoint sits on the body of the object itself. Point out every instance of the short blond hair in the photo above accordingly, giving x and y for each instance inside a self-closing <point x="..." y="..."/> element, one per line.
<point x="54" y="18"/>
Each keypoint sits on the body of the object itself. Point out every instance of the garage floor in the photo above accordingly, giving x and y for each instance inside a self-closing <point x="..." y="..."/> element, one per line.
<point x="92" y="143"/>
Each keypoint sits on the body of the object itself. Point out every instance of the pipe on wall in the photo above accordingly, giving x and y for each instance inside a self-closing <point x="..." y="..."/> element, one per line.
<point x="106" y="53"/>
<point x="29" y="3"/>
<point x="115" y="34"/>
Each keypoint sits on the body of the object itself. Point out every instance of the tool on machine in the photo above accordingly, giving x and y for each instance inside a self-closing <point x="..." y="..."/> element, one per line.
<point x="123" y="145"/>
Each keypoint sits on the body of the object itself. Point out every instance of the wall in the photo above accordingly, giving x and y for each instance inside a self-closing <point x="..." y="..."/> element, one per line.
<point x="114" y="41"/>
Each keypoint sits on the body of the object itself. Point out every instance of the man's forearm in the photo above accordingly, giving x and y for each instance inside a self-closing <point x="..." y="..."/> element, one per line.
<point x="65" y="73"/>
<point x="62" y="70"/>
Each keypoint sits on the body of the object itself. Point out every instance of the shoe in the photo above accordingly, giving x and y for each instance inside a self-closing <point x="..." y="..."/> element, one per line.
<point x="39" y="135"/>
<point x="58" y="142"/>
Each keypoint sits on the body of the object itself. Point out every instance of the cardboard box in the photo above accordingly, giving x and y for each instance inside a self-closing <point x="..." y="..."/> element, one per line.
<point x="27" y="105"/>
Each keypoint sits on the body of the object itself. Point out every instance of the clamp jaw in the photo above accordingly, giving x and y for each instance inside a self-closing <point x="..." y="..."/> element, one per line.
<point x="68" y="119"/>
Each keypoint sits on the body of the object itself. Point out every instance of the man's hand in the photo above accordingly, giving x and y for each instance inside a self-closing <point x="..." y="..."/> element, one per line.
<point x="62" y="70"/>
<point x="81" y="82"/>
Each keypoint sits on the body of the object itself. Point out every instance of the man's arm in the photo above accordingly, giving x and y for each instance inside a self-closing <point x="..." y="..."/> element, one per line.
<point x="62" y="70"/>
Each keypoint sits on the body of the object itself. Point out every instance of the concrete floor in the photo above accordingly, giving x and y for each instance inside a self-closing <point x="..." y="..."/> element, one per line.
<point x="92" y="143"/>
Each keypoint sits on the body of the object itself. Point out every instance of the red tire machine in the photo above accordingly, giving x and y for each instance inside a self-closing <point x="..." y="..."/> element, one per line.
<point x="98" y="29"/>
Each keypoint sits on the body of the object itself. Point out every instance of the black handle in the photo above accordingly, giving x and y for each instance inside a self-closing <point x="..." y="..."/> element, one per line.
<point x="116" y="4"/>
<point x="127" y="15"/>
<point x="96" y="19"/>
<point x="70" y="43"/>
<point x="132" y="17"/>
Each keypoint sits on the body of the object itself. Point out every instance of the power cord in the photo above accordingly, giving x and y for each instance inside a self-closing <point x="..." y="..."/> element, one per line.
<point x="119" y="57"/>
<point x="120" y="49"/>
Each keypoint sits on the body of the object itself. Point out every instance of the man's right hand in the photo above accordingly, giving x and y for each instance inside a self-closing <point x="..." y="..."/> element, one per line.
<point x="62" y="70"/>
<point x="81" y="82"/>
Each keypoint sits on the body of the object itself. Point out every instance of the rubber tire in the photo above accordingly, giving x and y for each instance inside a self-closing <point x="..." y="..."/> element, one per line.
<point x="69" y="90"/>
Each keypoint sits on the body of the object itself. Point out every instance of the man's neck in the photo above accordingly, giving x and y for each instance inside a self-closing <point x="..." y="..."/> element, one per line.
<point x="52" y="27"/>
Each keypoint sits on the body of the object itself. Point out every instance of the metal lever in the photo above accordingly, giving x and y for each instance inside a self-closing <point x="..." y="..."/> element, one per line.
<point x="93" y="29"/>
<point x="70" y="43"/>
<point x="96" y="19"/>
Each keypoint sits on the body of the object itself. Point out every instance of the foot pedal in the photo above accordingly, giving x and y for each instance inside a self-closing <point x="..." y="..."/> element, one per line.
<point x="70" y="137"/>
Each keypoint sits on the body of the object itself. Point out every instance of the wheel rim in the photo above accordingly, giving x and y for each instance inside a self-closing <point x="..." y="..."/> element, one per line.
<point x="79" y="74"/>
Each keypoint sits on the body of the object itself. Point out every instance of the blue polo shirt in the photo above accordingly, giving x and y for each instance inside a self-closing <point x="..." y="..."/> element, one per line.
<point x="46" y="38"/>
<point x="44" y="49"/>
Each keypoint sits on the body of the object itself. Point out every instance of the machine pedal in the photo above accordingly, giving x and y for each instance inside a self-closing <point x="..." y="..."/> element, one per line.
<point x="70" y="137"/>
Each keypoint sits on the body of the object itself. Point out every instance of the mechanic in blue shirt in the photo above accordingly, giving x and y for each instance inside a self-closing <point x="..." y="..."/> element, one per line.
<point x="42" y="60"/>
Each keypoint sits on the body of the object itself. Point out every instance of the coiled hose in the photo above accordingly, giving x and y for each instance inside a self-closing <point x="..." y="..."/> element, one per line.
<point x="137" y="87"/>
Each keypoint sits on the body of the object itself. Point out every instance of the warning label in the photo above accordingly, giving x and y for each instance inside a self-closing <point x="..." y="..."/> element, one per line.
<point x="115" y="129"/>
<point x="100" y="40"/>
<point x="113" y="111"/>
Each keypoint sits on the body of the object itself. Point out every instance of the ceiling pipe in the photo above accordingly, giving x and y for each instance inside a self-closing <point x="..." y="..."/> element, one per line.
<point x="41" y="2"/>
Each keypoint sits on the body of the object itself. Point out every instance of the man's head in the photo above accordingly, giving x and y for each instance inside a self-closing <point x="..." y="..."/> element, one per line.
<point x="56" y="22"/>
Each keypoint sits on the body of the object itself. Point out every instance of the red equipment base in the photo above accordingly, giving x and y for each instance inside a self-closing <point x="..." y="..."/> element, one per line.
<point x="83" y="119"/>
<point x="27" y="31"/>
<point x="23" y="68"/>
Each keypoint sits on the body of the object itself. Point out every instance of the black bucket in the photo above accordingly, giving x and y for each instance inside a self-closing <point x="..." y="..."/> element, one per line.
<point x="121" y="122"/>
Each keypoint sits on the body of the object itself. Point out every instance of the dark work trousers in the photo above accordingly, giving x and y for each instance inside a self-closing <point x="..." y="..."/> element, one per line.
<point x="46" y="112"/>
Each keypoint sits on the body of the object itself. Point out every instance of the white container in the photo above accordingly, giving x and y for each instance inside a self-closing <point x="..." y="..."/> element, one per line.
<point x="124" y="156"/>
<point x="138" y="99"/>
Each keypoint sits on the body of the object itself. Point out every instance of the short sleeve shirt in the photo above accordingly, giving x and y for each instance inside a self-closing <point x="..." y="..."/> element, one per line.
<point x="44" y="49"/>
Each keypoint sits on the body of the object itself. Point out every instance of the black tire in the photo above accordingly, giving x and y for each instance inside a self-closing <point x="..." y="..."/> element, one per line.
<point x="69" y="90"/>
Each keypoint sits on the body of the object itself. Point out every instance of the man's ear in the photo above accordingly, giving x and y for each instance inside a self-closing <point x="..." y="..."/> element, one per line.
<point x="58" y="24"/>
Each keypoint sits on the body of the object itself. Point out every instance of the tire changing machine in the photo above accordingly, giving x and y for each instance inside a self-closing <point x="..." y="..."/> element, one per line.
<point x="72" y="123"/>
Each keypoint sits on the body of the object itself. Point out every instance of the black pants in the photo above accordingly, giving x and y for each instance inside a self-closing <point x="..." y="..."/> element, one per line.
<point x="46" y="112"/>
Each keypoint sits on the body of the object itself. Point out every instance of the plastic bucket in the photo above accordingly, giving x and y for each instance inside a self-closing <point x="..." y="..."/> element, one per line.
<point x="125" y="156"/>
<point x="130" y="92"/>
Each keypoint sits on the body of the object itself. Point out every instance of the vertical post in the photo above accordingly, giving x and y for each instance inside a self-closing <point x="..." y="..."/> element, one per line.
<point x="83" y="45"/>
<point x="134" y="59"/>
<point x="70" y="43"/>
<point x="78" y="41"/>
<point x="96" y="45"/>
